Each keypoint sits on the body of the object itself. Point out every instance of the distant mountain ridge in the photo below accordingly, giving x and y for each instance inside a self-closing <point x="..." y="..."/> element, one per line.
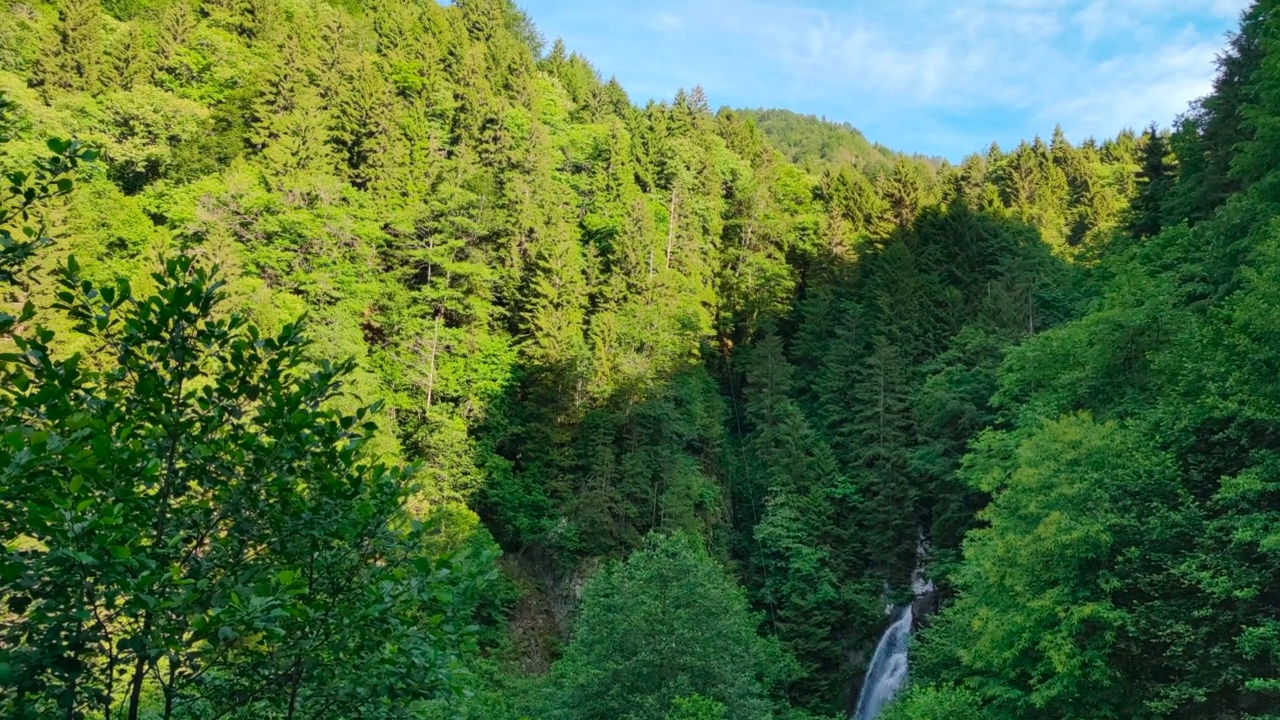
<point x="808" y="139"/>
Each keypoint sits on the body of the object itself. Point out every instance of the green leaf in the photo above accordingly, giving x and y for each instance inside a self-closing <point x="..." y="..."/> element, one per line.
<point x="83" y="558"/>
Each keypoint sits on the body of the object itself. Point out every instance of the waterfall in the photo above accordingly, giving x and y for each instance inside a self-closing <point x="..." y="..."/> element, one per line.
<point x="887" y="672"/>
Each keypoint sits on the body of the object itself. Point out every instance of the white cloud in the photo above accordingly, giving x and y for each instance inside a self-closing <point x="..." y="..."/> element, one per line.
<point x="1112" y="61"/>
<point x="1127" y="94"/>
<point x="669" y="21"/>
<point x="1095" y="66"/>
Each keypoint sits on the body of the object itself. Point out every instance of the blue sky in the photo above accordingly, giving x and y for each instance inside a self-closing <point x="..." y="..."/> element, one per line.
<point x="934" y="76"/>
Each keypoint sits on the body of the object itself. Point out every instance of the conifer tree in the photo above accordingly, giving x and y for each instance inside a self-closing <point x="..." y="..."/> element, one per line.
<point x="363" y="112"/>
<point x="176" y="24"/>
<point x="1155" y="181"/>
<point x="795" y="493"/>
<point x="253" y="19"/>
<point x="970" y="183"/>
<point x="1220" y="122"/>
<point x="853" y="196"/>
<point x="126" y="58"/>
<point x="291" y="127"/>
<point x="616" y="98"/>
<point x="883" y="422"/>
<point x="904" y="192"/>
<point x="73" y="60"/>
<point x="1255" y="156"/>
<point x="557" y="304"/>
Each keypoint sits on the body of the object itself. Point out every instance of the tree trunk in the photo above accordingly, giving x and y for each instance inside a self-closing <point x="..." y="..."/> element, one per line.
<point x="671" y="226"/>
<point x="139" y="672"/>
<point x="431" y="375"/>
<point x="293" y="690"/>
<point x="135" y="687"/>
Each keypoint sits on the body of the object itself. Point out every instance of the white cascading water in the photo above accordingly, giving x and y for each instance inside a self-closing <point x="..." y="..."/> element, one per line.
<point x="887" y="672"/>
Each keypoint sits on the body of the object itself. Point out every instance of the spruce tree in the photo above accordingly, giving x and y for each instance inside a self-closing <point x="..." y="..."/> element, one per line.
<point x="363" y="111"/>
<point x="795" y="493"/>
<point x="73" y="60"/>
<point x="904" y="192"/>
<point x="1155" y="180"/>
<point x="126" y="58"/>
<point x="176" y="24"/>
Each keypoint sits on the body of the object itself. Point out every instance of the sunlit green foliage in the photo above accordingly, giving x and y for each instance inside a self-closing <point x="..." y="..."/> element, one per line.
<point x="1047" y="373"/>
<point x="665" y="635"/>
<point x="191" y="529"/>
<point x="1126" y="567"/>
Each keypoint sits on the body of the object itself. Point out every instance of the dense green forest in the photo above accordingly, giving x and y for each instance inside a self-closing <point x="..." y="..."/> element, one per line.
<point x="382" y="360"/>
<point x="807" y="140"/>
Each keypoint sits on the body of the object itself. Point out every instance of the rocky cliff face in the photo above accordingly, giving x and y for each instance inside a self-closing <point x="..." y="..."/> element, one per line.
<point x="549" y="597"/>
<point x="926" y="603"/>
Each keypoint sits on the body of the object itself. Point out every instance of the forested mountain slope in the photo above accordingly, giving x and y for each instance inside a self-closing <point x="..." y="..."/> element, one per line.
<point x="774" y="378"/>
<point x="805" y="139"/>
<point x="1127" y="566"/>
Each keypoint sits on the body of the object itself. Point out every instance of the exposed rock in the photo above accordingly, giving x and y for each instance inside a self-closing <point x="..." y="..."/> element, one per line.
<point x="549" y="598"/>
<point x="926" y="604"/>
